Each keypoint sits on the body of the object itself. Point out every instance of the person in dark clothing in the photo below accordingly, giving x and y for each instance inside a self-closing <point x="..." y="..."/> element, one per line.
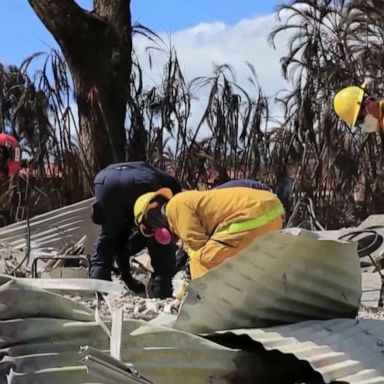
<point x="284" y="192"/>
<point x="246" y="183"/>
<point x="283" y="188"/>
<point x="116" y="189"/>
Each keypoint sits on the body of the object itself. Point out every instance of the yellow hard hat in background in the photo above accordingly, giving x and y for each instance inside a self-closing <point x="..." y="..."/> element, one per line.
<point x="143" y="202"/>
<point x="347" y="103"/>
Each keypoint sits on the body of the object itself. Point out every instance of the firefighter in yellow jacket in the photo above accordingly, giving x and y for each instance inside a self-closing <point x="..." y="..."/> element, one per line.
<point x="212" y="225"/>
<point x="357" y="108"/>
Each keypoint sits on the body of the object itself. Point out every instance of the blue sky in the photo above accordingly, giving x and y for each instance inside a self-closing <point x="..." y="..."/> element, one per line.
<point x="22" y="33"/>
<point x="204" y="32"/>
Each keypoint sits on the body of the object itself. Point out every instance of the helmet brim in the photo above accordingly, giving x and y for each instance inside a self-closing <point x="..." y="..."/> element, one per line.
<point x="165" y="192"/>
<point x="359" y="102"/>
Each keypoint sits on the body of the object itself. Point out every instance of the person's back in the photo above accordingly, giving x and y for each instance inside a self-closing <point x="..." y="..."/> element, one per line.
<point x="217" y="208"/>
<point x="216" y="224"/>
<point x="122" y="183"/>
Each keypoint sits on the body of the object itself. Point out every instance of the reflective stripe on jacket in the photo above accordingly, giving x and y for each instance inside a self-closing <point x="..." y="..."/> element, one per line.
<point x="225" y="245"/>
<point x="248" y="225"/>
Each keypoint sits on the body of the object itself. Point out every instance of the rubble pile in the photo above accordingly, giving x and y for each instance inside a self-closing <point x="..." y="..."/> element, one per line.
<point x="10" y="261"/>
<point x="134" y="306"/>
<point x="371" y="313"/>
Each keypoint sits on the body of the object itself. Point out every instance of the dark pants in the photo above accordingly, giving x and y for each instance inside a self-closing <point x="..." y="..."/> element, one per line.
<point x="163" y="261"/>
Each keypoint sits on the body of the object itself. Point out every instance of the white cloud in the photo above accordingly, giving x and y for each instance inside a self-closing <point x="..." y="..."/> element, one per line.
<point x="206" y="44"/>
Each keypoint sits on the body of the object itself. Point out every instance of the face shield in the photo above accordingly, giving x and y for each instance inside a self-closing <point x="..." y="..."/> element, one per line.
<point x="370" y="124"/>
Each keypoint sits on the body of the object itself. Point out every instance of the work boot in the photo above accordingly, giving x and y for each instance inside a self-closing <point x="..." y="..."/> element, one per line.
<point x="132" y="284"/>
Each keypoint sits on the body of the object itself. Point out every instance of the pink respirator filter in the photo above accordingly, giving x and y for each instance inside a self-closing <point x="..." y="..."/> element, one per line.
<point x="163" y="236"/>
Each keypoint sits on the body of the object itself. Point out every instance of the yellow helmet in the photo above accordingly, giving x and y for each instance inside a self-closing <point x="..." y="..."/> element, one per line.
<point x="347" y="103"/>
<point x="142" y="204"/>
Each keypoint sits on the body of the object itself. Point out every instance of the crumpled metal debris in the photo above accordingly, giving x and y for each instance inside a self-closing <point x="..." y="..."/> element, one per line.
<point x="342" y="350"/>
<point x="56" y="228"/>
<point x="283" y="277"/>
<point x="299" y="276"/>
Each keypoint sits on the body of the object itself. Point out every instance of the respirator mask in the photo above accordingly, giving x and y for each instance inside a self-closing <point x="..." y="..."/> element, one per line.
<point x="370" y="124"/>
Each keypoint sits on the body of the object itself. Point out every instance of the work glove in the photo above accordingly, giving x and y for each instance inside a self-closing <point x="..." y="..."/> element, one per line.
<point x="180" y="294"/>
<point x="182" y="290"/>
<point x="132" y="284"/>
<point x="159" y="287"/>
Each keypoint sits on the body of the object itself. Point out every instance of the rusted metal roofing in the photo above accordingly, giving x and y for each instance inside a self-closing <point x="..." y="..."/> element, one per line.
<point x="54" y="229"/>
<point x="283" y="277"/>
<point x="342" y="350"/>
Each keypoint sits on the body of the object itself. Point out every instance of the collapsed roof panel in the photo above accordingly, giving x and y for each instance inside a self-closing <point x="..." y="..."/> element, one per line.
<point x="283" y="277"/>
<point x="342" y="350"/>
<point x="41" y="345"/>
<point x="54" y="229"/>
<point x="37" y="303"/>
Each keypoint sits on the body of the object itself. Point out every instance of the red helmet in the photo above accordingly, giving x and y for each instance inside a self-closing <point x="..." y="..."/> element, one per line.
<point x="14" y="153"/>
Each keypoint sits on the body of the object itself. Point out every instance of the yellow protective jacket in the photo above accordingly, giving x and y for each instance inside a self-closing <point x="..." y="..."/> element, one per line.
<point x="216" y="224"/>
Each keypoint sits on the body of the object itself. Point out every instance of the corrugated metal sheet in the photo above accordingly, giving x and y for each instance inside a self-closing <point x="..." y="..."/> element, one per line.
<point x="33" y="302"/>
<point x="107" y="369"/>
<point x="41" y="333"/>
<point x="283" y="277"/>
<point x="41" y="336"/>
<point x="65" y="375"/>
<point x="72" y="285"/>
<point x="39" y="343"/>
<point x="164" y="356"/>
<point x="345" y="350"/>
<point x="55" y="228"/>
<point x="167" y="356"/>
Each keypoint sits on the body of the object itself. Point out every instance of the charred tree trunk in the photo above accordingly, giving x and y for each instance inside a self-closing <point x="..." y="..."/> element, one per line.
<point x="97" y="46"/>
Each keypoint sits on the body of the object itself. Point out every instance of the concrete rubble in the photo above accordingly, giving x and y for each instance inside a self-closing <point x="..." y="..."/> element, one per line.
<point x="134" y="307"/>
<point x="315" y="318"/>
<point x="10" y="259"/>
